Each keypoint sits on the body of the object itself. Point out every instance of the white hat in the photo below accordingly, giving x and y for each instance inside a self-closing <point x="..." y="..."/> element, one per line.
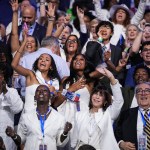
<point x="122" y="6"/>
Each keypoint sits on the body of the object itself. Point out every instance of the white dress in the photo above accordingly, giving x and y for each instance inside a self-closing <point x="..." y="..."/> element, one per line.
<point x="10" y="104"/>
<point x="29" y="130"/>
<point x="69" y="109"/>
<point x="29" y="98"/>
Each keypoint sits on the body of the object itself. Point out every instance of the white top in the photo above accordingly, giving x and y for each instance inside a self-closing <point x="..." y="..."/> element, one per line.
<point x="29" y="98"/>
<point x="10" y="104"/>
<point x="94" y="129"/>
<point x="29" y="130"/>
<point x="119" y="29"/>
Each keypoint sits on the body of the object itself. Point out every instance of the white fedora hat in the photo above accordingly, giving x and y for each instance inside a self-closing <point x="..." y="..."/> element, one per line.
<point x="122" y="6"/>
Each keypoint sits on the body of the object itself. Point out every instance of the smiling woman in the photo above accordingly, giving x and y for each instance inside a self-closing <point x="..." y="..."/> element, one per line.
<point x="72" y="47"/>
<point x="44" y="72"/>
<point x="94" y="127"/>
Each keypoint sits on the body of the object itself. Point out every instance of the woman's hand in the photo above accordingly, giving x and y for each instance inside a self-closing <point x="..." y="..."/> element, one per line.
<point x="51" y="10"/>
<point x="77" y="85"/>
<point x="108" y="74"/>
<point x="80" y="13"/>
<point x="14" y="5"/>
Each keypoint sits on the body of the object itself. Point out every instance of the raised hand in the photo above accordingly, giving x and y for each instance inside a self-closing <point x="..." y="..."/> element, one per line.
<point x="142" y="24"/>
<point x="68" y="127"/>
<point x="51" y="10"/>
<point x="80" y="13"/>
<point x="14" y="5"/>
<point x="10" y="132"/>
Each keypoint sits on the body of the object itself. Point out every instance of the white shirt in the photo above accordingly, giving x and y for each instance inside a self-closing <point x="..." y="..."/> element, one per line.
<point x="140" y="123"/>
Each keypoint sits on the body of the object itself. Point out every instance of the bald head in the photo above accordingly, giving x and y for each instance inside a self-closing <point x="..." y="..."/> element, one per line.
<point x="29" y="15"/>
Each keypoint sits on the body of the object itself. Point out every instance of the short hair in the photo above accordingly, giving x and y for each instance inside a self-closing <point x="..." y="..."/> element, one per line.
<point x="141" y="66"/>
<point x="86" y="147"/>
<point x="136" y="87"/>
<point x="146" y="11"/>
<point x="103" y="91"/>
<point x="145" y="43"/>
<point x="105" y="23"/>
<point x="50" y="41"/>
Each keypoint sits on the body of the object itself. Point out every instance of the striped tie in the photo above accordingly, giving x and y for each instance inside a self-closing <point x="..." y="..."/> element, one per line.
<point x="147" y="129"/>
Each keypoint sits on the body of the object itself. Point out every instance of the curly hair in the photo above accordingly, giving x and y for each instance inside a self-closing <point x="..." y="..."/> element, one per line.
<point x="102" y="90"/>
<point x="125" y="22"/>
<point x="52" y="73"/>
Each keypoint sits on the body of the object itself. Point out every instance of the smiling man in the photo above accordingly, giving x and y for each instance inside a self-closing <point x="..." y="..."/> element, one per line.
<point x="145" y="54"/>
<point x="135" y="121"/>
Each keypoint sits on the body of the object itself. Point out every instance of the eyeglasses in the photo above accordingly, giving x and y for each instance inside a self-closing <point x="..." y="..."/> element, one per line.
<point x="71" y="41"/>
<point x="140" y="91"/>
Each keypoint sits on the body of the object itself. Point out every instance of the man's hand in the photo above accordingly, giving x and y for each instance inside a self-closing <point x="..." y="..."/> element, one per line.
<point x="127" y="145"/>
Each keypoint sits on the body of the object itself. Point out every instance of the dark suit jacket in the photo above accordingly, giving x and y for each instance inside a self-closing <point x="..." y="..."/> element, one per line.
<point x="39" y="31"/>
<point x="127" y="126"/>
<point x="94" y="53"/>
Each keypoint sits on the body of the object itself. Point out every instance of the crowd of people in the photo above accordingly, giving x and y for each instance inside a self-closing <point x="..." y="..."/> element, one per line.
<point x="75" y="75"/>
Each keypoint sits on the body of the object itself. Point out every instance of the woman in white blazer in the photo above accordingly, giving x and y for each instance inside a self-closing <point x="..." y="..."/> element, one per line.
<point x="94" y="127"/>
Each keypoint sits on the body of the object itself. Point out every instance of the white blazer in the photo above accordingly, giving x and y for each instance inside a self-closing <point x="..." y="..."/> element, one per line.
<point x="29" y="130"/>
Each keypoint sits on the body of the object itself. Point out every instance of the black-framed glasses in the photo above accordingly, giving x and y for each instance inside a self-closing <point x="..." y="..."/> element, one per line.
<point x="140" y="91"/>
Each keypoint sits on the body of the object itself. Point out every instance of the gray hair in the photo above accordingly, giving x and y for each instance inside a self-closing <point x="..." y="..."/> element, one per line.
<point x="50" y="41"/>
<point x="148" y="83"/>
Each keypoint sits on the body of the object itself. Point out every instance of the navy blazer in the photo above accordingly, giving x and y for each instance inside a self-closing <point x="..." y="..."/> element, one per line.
<point x="94" y="53"/>
<point x="39" y="31"/>
<point x="127" y="126"/>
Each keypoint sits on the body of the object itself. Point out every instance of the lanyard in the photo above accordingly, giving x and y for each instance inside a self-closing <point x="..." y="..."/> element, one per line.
<point x="42" y="121"/>
<point x="143" y="119"/>
<point x="49" y="82"/>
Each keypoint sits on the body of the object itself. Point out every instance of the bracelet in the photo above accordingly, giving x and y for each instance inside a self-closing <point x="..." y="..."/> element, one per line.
<point x="51" y="18"/>
<point x="14" y="138"/>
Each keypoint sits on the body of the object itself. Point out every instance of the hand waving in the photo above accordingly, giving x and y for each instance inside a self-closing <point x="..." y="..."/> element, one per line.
<point x="14" y="5"/>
